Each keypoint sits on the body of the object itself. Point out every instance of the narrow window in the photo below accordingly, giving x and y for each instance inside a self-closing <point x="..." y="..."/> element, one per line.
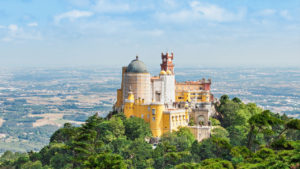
<point x="153" y="111"/>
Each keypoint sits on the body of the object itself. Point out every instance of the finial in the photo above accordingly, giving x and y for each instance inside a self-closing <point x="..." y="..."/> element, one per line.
<point x="137" y="57"/>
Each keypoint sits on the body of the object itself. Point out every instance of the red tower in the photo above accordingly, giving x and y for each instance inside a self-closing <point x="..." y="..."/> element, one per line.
<point x="167" y="62"/>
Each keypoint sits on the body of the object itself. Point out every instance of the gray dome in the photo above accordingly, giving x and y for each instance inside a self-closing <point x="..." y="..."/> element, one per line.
<point x="136" y="66"/>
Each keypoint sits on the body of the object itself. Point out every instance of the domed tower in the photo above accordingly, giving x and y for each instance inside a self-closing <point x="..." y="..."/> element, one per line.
<point x="137" y="79"/>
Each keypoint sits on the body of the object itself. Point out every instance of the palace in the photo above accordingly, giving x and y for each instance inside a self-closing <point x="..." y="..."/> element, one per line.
<point x="162" y="101"/>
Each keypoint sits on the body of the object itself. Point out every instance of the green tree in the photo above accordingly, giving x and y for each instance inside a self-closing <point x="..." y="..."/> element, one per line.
<point x="216" y="164"/>
<point x="220" y="132"/>
<point x="105" y="160"/>
<point x="65" y="134"/>
<point x="136" y="128"/>
<point x="261" y="124"/>
<point x="139" y="152"/>
<point x="237" y="100"/>
<point x="32" y="165"/>
<point x="214" y="147"/>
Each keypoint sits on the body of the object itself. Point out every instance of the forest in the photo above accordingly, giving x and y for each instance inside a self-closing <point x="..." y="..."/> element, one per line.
<point x="243" y="136"/>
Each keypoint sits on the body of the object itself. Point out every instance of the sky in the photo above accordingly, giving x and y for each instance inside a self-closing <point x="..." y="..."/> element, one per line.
<point x="112" y="32"/>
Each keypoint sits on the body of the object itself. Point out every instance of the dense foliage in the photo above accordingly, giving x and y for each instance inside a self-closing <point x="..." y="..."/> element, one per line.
<point x="243" y="136"/>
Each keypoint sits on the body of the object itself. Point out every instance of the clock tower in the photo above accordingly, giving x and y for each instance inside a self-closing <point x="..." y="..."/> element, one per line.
<point x="167" y="62"/>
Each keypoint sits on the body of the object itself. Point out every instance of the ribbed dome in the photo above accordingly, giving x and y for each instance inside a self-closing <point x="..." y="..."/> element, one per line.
<point x="136" y="66"/>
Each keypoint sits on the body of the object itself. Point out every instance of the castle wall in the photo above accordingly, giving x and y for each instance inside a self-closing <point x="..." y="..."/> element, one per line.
<point x="200" y="133"/>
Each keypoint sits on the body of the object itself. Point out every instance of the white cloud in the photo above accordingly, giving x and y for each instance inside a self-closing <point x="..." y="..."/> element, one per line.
<point x="285" y="14"/>
<point x="72" y="15"/>
<point x="14" y="32"/>
<point x="202" y="11"/>
<point x="32" y="24"/>
<point x="13" y="28"/>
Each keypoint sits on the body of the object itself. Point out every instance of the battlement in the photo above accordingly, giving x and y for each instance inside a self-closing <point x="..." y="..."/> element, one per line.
<point x="167" y="55"/>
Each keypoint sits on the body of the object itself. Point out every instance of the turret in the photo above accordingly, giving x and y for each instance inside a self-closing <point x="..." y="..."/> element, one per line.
<point x="129" y="102"/>
<point x="167" y="62"/>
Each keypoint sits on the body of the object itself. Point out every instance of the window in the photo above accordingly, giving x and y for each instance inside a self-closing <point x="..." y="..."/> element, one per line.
<point x="148" y="116"/>
<point x="153" y="111"/>
<point x="148" y="108"/>
<point x="142" y="116"/>
<point x="153" y="118"/>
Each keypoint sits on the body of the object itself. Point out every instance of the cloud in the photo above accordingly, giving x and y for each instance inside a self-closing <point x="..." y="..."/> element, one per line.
<point x="14" y="32"/>
<point x="285" y="14"/>
<point x="32" y="24"/>
<point x="72" y="15"/>
<point x="13" y="28"/>
<point x="201" y="11"/>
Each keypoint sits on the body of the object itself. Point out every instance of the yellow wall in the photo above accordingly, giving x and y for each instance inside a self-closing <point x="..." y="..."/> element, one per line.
<point x="166" y="123"/>
<point x="188" y="96"/>
<point x="140" y="110"/>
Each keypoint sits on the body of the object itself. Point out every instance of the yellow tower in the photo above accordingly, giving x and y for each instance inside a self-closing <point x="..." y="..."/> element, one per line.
<point x="129" y="103"/>
<point x="156" y="120"/>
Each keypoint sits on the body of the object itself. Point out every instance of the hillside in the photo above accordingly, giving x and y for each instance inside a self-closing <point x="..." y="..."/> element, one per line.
<point x="244" y="136"/>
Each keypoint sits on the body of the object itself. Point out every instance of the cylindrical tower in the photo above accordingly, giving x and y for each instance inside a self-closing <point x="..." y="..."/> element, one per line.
<point x="128" y="108"/>
<point x="137" y="79"/>
<point x="156" y="119"/>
